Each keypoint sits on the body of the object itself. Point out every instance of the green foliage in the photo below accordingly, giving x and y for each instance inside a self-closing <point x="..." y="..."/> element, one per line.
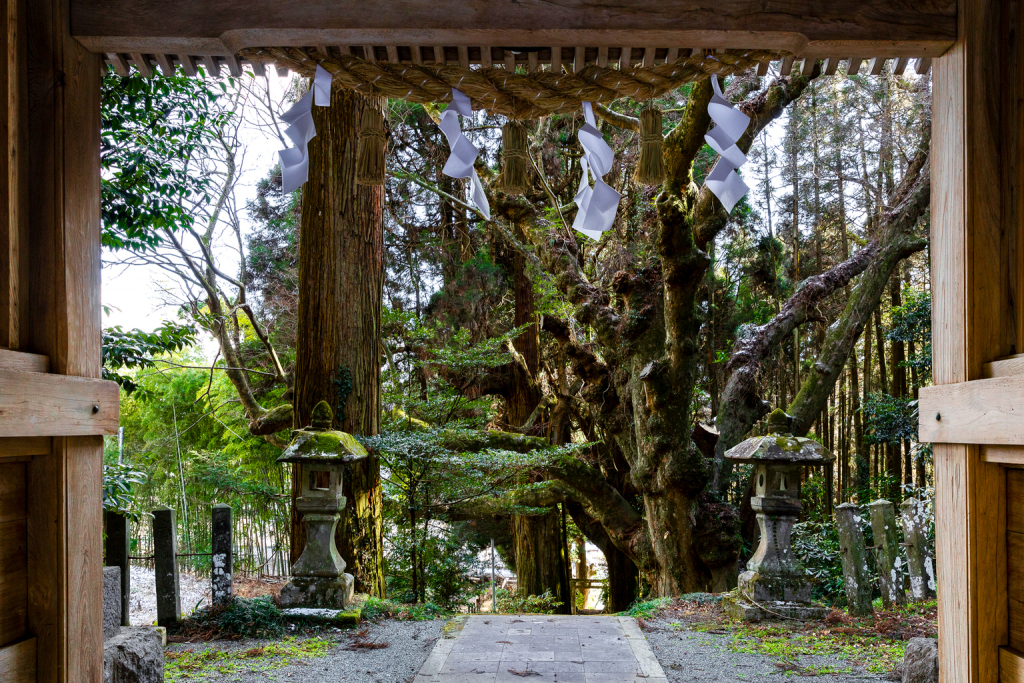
<point x="136" y="349"/>
<point x="912" y="322"/>
<point x="889" y="419"/>
<point x="379" y="608"/>
<point x="816" y="545"/>
<point x="510" y="602"/>
<point x="117" y="488"/>
<point x="244" y="617"/>
<point x="647" y="609"/>
<point x="151" y="131"/>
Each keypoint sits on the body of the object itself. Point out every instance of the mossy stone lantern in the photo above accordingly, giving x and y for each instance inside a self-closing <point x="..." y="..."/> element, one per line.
<point x="318" y="576"/>
<point x="775" y="583"/>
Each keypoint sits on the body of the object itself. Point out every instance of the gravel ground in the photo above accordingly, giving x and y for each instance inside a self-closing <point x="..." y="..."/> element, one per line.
<point x="409" y="643"/>
<point x="192" y="590"/>
<point x="694" y="656"/>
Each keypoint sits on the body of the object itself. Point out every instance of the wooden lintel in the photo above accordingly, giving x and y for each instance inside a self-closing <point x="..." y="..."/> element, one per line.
<point x="983" y="412"/>
<point x="18" y="662"/>
<point x="891" y="27"/>
<point x="23" y="362"/>
<point x="18" y="447"/>
<point x="38" y="404"/>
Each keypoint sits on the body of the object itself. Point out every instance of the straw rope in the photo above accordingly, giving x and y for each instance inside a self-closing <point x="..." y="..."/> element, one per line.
<point x="515" y="95"/>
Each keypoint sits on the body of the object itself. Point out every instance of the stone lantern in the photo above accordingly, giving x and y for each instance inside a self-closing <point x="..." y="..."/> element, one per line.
<point x="775" y="583"/>
<point x="318" y="576"/>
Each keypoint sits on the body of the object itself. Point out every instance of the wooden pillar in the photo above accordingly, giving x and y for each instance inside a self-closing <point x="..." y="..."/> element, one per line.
<point x="974" y="263"/>
<point x="61" y="129"/>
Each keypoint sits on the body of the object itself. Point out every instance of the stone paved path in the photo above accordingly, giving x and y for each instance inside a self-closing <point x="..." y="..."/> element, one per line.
<point x="543" y="649"/>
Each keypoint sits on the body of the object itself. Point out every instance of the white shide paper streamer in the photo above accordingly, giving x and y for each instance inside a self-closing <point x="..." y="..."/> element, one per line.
<point x="463" y="153"/>
<point x="597" y="204"/>
<point x="724" y="181"/>
<point x="295" y="160"/>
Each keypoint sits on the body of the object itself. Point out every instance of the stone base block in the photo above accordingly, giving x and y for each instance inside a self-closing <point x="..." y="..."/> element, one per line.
<point x="136" y="655"/>
<point x="321" y="616"/>
<point x="111" y="602"/>
<point x="744" y="610"/>
<point x="308" y="591"/>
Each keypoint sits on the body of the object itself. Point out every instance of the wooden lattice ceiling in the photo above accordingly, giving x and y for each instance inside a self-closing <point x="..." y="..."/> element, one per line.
<point x="549" y="35"/>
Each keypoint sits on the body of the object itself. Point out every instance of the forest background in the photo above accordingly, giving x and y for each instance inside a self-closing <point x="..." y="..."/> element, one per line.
<point x="812" y="297"/>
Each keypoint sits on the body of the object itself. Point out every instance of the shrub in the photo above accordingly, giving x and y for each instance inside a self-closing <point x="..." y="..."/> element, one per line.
<point x="513" y="603"/>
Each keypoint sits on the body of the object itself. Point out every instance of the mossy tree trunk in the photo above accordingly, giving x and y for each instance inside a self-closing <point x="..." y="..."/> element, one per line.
<point x="341" y="271"/>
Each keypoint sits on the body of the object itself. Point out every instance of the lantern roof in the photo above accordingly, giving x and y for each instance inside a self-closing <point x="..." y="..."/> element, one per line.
<point x="322" y="445"/>
<point x="780" y="446"/>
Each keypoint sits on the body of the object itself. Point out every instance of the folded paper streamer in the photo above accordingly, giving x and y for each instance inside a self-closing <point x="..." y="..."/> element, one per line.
<point x="295" y="160"/>
<point x="731" y="123"/>
<point x="463" y="153"/>
<point x="597" y="204"/>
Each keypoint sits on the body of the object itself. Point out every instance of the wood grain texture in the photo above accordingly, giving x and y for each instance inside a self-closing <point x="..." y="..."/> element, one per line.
<point x="983" y="411"/>
<point x="18" y="662"/>
<point x="973" y="323"/>
<point x="1004" y="367"/>
<point x="13" y="480"/>
<point x="880" y="27"/>
<point x="35" y="404"/>
<point x="1010" y="456"/>
<point x="1015" y="565"/>
<point x="1011" y="665"/>
<point x="65" y="584"/>
<point x="13" y="581"/>
<point x="23" y="362"/>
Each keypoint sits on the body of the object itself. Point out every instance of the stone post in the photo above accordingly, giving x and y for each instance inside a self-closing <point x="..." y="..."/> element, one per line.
<point x="915" y="535"/>
<point x="887" y="554"/>
<point x="856" y="574"/>
<point x="165" y="550"/>
<point x="222" y="564"/>
<point x="118" y="544"/>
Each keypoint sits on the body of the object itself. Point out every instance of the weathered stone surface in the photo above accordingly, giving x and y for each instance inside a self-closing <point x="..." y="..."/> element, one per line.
<point x="323" y="616"/>
<point x="914" y="521"/>
<point x="921" y="661"/>
<point x="117" y="550"/>
<point x="111" y="602"/>
<point x="221" y="554"/>
<point x="320" y="557"/>
<point x="136" y="655"/>
<point x="332" y="593"/>
<point x="888" y="562"/>
<point x="856" y="572"/>
<point x="742" y="609"/>
<point x="165" y="550"/>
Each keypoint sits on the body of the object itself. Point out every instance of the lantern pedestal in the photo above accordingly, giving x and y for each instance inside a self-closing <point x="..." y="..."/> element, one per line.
<point x="318" y="576"/>
<point x="775" y="584"/>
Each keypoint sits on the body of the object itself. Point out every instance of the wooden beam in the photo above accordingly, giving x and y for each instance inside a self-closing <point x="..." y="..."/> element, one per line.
<point x="984" y="411"/>
<point x="142" y="64"/>
<point x="579" y="59"/>
<point x="166" y="64"/>
<point x="901" y="66"/>
<point x="831" y="65"/>
<point x="1004" y="367"/>
<point x="18" y="662"/>
<point x="36" y="404"/>
<point x="23" y="362"/>
<point x="1011" y="665"/>
<point x="625" y="58"/>
<point x="892" y="27"/>
<point x="18" y="447"/>
<point x="972" y="315"/>
<point x="188" y="63"/>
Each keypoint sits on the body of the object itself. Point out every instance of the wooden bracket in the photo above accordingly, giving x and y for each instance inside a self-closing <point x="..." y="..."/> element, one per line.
<point x="982" y="411"/>
<point x="40" y="404"/>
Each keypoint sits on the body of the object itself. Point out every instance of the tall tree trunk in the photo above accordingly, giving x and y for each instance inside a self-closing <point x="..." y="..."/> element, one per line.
<point x="338" y="342"/>
<point x="540" y="565"/>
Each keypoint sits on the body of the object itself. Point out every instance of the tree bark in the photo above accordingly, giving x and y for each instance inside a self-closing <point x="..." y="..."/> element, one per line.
<point x="341" y="271"/>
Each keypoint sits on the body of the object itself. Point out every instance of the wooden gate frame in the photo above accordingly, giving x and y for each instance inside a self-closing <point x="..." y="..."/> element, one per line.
<point x="50" y="196"/>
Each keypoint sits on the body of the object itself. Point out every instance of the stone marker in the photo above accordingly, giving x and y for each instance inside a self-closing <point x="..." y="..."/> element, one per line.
<point x="775" y="584"/>
<point x="318" y="576"/>
<point x="915" y="535"/>
<point x="111" y="602"/>
<point x="118" y="544"/>
<point x="165" y="550"/>
<point x="887" y="554"/>
<point x="221" y="559"/>
<point x="921" y="661"/>
<point x="856" y="572"/>
<point x="136" y="655"/>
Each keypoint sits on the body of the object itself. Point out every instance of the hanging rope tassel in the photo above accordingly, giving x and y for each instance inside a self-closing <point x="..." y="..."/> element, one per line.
<point x="372" y="148"/>
<point x="515" y="160"/>
<point x="651" y="168"/>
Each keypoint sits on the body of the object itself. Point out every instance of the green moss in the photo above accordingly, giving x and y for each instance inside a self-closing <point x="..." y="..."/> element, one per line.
<point x="212" y="663"/>
<point x="788" y="443"/>
<point x="331" y="445"/>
